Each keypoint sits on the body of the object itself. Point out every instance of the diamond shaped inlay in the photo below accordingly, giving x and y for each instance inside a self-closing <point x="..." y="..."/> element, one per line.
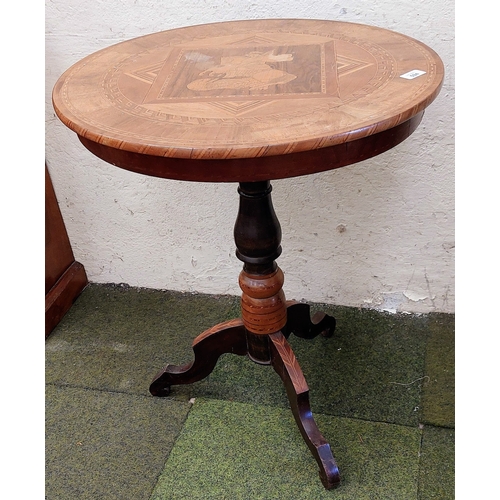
<point x="242" y="76"/>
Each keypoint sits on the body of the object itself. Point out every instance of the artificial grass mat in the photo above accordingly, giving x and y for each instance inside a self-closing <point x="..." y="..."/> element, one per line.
<point x="117" y="338"/>
<point x="437" y="464"/>
<point x="438" y="393"/>
<point x="231" y="450"/>
<point x="371" y="368"/>
<point x="377" y="367"/>
<point x="106" y="445"/>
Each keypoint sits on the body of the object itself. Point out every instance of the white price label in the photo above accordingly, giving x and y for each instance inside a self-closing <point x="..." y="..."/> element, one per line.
<point x="413" y="74"/>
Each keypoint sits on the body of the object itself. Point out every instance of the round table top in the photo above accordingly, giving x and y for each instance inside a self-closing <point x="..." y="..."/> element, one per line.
<point x="247" y="90"/>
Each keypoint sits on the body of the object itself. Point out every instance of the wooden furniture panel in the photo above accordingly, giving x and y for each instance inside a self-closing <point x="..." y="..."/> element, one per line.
<point x="64" y="277"/>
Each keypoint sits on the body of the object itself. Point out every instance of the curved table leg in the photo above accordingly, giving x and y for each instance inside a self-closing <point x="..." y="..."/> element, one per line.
<point x="228" y="337"/>
<point x="300" y="323"/>
<point x="286" y="366"/>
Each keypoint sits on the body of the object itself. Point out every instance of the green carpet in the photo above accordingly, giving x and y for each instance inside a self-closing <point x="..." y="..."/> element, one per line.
<point x="437" y="464"/>
<point x="438" y="395"/>
<point x="372" y="368"/>
<point x="230" y="450"/>
<point x="106" y="445"/>
<point x="381" y="390"/>
<point x="117" y="338"/>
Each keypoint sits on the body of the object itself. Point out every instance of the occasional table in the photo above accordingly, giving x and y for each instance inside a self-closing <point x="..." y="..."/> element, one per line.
<point x="249" y="102"/>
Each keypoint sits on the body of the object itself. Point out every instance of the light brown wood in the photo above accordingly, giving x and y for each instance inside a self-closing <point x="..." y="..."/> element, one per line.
<point x="245" y="90"/>
<point x="263" y="303"/>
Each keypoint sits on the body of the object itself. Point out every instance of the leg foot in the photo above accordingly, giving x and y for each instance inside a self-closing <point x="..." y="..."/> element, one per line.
<point x="228" y="337"/>
<point x="300" y="323"/>
<point x="286" y="366"/>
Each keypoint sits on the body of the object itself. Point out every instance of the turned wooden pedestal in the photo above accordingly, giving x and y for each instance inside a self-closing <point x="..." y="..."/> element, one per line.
<point x="266" y="322"/>
<point x="249" y="102"/>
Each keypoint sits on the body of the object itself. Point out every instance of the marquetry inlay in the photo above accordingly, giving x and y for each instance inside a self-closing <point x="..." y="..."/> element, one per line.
<point x="247" y="88"/>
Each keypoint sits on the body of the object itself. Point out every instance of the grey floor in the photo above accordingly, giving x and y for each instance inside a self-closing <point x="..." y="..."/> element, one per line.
<point x="381" y="391"/>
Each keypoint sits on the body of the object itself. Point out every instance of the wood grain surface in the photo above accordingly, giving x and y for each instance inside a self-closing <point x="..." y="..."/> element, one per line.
<point x="245" y="90"/>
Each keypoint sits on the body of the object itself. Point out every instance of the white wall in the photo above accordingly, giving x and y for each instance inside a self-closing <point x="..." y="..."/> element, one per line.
<point x="376" y="234"/>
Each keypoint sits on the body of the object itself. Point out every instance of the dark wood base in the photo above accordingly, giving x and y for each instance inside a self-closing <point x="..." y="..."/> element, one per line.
<point x="61" y="296"/>
<point x="233" y="337"/>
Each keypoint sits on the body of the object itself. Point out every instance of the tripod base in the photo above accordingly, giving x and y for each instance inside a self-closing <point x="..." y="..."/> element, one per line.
<point x="233" y="337"/>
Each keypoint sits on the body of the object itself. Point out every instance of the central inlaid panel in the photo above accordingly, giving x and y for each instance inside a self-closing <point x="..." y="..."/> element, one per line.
<point x="238" y="75"/>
